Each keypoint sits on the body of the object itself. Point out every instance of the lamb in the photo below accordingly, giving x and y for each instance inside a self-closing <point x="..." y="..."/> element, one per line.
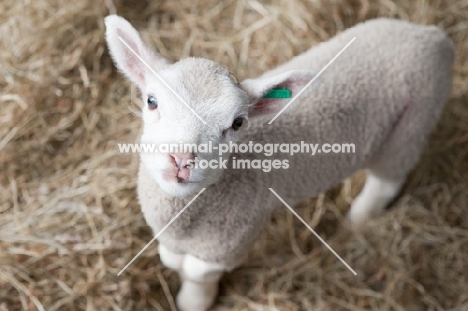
<point x="384" y="94"/>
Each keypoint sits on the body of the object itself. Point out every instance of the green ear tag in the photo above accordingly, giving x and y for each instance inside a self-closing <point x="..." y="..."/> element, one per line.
<point x="278" y="93"/>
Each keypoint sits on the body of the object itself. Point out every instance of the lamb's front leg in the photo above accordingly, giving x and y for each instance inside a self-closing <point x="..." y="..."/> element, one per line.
<point x="200" y="281"/>
<point x="170" y="259"/>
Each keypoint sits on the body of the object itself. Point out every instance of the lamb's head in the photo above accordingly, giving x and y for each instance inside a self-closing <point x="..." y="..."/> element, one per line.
<point x="193" y="102"/>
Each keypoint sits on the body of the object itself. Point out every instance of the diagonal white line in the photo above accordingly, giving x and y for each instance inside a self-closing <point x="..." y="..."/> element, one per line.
<point x="312" y="81"/>
<point x="160" y="232"/>
<point x="312" y="230"/>
<point x="161" y="79"/>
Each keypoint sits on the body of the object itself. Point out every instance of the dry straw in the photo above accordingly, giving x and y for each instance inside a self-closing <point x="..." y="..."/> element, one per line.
<point x="69" y="219"/>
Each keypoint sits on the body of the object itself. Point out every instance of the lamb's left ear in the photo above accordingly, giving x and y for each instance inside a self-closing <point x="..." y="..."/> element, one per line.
<point x="124" y="42"/>
<point x="294" y="80"/>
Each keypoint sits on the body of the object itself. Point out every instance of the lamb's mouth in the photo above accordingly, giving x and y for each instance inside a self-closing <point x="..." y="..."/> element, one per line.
<point x="178" y="180"/>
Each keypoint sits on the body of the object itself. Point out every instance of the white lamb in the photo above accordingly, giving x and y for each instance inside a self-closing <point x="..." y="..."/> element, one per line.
<point x="384" y="94"/>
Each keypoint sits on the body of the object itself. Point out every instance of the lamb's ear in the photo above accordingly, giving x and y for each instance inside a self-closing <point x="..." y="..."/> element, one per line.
<point x="117" y="30"/>
<point x="294" y="80"/>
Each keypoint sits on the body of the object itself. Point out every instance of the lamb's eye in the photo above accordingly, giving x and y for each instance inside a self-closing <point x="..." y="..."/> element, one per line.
<point x="237" y="123"/>
<point x="152" y="102"/>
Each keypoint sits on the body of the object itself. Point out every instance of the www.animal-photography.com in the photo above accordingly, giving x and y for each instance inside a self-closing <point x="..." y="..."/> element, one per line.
<point x="234" y="155"/>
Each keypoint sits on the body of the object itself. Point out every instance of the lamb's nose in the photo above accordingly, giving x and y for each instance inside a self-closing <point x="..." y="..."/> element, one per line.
<point x="182" y="160"/>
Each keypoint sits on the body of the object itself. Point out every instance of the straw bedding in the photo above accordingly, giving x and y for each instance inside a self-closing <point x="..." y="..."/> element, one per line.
<point x="69" y="218"/>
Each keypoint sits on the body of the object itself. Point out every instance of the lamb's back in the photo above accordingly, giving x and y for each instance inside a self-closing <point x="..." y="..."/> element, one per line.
<point x="391" y="67"/>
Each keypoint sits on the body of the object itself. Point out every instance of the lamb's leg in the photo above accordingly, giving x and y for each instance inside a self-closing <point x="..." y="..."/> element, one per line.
<point x="389" y="168"/>
<point x="377" y="193"/>
<point x="199" y="284"/>
<point x="170" y="259"/>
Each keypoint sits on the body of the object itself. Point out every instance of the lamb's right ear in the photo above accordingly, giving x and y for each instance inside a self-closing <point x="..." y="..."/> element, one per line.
<point x="122" y="38"/>
<point x="294" y="80"/>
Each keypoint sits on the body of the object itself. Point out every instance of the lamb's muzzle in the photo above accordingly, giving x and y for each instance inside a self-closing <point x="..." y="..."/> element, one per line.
<point x="182" y="163"/>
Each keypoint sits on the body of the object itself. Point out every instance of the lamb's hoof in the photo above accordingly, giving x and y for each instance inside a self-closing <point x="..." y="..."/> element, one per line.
<point x="359" y="213"/>
<point x="356" y="221"/>
<point x="195" y="296"/>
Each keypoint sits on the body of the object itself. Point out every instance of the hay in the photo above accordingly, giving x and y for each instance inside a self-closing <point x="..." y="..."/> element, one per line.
<point x="69" y="219"/>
